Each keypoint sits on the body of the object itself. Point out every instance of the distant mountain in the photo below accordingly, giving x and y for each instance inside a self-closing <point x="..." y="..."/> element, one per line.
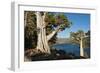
<point x="63" y="40"/>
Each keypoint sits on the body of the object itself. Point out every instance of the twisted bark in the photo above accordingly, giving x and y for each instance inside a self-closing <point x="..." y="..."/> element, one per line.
<point x="42" y="43"/>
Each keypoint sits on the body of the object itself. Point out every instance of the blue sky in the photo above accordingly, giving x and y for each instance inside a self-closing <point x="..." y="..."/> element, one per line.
<point x="79" y="21"/>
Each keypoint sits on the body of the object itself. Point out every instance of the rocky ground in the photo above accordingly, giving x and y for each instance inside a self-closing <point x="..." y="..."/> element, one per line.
<point x="34" y="55"/>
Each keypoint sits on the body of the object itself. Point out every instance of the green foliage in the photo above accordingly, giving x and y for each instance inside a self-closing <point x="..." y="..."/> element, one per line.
<point x="88" y="33"/>
<point x="86" y="41"/>
<point x="58" y="19"/>
<point x="50" y="18"/>
<point x="76" y="36"/>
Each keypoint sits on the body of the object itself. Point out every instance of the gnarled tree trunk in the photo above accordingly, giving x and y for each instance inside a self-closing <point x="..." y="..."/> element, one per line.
<point x="42" y="43"/>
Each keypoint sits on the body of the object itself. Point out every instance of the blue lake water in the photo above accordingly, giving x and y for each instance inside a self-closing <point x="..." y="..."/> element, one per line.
<point x="72" y="48"/>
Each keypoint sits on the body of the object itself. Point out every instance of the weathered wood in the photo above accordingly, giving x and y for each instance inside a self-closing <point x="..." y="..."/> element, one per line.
<point x="42" y="43"/>
<point x="81" y="47"/>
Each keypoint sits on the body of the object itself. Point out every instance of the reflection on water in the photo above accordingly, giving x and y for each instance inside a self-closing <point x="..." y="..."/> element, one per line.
<point x="72" y="48"/>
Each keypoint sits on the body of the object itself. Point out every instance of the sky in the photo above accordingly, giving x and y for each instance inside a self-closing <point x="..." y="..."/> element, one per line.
<point x="79" y="21"/>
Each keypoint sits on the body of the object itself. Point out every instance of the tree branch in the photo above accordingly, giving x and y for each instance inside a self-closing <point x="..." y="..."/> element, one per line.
<point x="53" y="33"/>
<point x="44" y="16"/>
<point x="39" y="19"/>
<point x="77" y="39"/>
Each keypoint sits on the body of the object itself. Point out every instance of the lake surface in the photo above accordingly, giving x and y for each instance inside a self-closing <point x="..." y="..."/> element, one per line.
<point x="72" y="48"/>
